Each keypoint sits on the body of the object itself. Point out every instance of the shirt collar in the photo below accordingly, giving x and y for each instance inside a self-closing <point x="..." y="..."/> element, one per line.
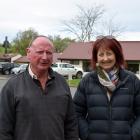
<point x="33" y="75"/>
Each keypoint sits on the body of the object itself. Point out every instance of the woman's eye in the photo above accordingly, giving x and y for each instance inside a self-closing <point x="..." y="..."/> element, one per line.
<point x="109" y="53"/>
<point x="101" y="54"/>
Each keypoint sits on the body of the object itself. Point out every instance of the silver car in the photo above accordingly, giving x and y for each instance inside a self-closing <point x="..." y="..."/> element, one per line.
<point x="19" y="69"/>
<point x="67" y="69"/>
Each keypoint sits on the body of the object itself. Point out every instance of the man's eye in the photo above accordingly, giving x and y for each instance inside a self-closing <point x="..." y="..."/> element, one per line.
<point x="48" y="53"/>
<point x="39" y="52"/>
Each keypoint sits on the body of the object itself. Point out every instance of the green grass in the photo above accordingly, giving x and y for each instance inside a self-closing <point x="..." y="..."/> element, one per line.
<point x="73" y="82"/>
<point x="1" y="50"/>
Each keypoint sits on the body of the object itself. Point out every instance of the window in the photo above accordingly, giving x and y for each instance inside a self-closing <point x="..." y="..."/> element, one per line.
<point x="133" y="67"/>
<point x="75" y="62"/>
<point x="54" y="65"/>
<point x="70" y="66"/>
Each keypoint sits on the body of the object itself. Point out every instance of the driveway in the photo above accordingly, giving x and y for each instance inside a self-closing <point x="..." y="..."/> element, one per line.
<point x="3" y="80"/>
<point x="73" y="89"/>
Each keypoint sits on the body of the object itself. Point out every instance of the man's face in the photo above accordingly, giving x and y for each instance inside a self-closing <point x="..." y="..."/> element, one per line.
<point x="40" y="54"/>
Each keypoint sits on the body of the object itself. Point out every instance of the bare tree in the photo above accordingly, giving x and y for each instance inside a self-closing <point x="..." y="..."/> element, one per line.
<point x="87" y="24"/>
<point x="82" y="25"/>
<point x="110" y="27"/>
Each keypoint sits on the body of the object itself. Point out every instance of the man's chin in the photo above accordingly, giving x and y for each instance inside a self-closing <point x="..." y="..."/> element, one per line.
<point x="43" y="68"/>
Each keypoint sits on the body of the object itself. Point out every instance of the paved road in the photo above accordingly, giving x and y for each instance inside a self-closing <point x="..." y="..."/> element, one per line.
<point x="4" y="78"/>
<point x="73" y="89"/>
<point x="2" y="82"/>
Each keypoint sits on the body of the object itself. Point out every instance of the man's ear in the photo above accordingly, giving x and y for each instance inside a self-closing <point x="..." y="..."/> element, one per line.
<point x="27" y="52"/>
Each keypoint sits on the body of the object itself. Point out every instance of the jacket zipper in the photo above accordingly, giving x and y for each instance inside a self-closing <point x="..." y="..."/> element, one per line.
<point x="110" y="120"/>
<point x="109" y="111"/>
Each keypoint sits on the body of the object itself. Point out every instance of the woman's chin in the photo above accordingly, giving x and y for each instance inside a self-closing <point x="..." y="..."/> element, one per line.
<point x="107" y="68"/>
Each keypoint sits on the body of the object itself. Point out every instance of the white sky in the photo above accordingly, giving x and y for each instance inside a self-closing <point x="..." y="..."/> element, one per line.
<point x="45" y="16"/>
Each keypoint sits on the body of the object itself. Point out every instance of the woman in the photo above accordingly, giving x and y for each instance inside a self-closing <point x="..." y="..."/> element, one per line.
<point x="107" y="100"/>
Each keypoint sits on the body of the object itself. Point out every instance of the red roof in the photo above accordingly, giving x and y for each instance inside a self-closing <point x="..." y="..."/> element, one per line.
<point x="82" y="50"/>
<point x="55" y="57"/>
<point x="131" y="50"/>
<point x="78" y="50"/>
<point x="22" y="59"/>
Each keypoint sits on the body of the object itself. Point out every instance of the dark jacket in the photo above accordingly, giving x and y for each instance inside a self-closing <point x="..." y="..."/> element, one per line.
<point x="101" y="119"/>
<point x="29" y="113"/>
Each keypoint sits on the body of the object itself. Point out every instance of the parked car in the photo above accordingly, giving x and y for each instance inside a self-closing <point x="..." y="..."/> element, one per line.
<point x="67" y="69"/>
<point x="138" y="75"/>
<point x="19" y="69"/>
<point x="5" y="67"/>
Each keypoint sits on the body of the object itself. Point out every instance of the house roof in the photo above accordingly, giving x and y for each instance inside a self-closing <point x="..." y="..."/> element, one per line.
<point x="131" y="50"/>
<point x="8" y="57"/>
<point x="56" y="56"/>
<point x="22" y="59"/>
<point x="82" y="51"/>
<point x="78" y="50"/>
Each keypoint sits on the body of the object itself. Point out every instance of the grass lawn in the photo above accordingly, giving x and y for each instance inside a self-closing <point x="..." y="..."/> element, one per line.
<point x="73" y="82"/>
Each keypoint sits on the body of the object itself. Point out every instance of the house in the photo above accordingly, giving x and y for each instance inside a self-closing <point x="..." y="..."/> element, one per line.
<point x="9" y="57"/>
<point x="79" y="54"/>
<point x="21" y="60"/>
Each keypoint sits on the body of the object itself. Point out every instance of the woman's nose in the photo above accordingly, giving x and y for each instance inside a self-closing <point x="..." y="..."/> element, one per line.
<point x="105" y="57"/>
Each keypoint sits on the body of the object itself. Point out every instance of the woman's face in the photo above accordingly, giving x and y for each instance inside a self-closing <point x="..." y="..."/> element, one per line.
<point x="106" y="58"/>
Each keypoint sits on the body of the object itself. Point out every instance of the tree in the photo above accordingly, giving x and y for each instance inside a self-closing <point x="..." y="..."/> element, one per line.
<point x="87" y="24"/>
<point x="111" y="28"/>
<point x="1" y="49"/>
<point x="59" y="43"/>
<point x="82" y="25"/>
<point x="21" y="42"/>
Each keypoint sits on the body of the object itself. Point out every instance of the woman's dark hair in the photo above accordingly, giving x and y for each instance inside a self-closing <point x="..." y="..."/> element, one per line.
<point x="109" y="43"/>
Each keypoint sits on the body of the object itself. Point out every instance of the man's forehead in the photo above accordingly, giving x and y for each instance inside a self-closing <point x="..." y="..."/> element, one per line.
<point x="42" y="47"/>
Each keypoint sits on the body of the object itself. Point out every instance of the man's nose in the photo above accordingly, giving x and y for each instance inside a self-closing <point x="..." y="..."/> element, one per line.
<point x="44" y="56"/>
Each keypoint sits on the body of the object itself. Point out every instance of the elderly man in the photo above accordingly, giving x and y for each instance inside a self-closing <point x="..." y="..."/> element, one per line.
<point x="37" y="104"/>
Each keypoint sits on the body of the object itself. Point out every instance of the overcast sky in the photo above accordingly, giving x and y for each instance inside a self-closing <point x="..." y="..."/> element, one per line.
<point x="45" y="16"/>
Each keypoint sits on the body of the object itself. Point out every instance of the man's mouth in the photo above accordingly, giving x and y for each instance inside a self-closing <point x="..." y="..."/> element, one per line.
<point x="44" y="63"/>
